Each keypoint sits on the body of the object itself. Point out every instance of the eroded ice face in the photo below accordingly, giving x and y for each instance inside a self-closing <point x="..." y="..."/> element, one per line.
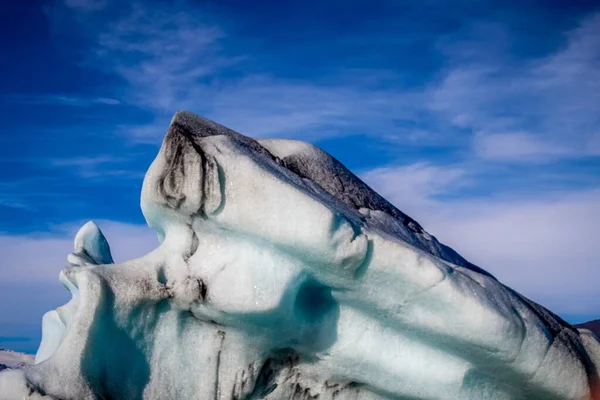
<point x="281" y="275"/>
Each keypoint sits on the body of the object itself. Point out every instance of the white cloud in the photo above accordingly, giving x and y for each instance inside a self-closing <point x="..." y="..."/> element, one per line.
<point x="550" y="103"/>
<point x="39" y="257"/>
<point x="544" y="247"/>
<point x="518" y="146"/>
<point x="414" y="187"/>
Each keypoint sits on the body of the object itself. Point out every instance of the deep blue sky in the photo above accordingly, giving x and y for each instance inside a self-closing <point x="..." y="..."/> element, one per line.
<point x="478" y="118"/>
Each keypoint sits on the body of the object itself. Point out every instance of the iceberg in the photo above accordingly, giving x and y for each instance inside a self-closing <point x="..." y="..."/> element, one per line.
<point x="281" y="275"/>
<point x="12" y="359"/>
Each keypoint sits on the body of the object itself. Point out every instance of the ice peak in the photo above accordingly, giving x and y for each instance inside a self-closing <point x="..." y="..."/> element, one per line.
<point x="90" y="246"/>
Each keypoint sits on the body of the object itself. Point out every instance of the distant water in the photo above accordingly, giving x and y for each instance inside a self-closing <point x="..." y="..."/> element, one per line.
<point x="22" y="344"/>
<point x="20" y="337"/>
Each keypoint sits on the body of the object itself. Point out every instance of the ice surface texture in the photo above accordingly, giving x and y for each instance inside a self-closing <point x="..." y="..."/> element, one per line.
<point x="280" y="275"/>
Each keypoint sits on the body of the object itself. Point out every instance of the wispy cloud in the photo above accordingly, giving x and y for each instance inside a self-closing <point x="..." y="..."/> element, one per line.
<point x="179" y="57"/>
<point x="520" y="147"/>
<point x="541" y="109"/>
<point x="85" y="161"/>
<point x="166" y="55"/>
<point x="12" y="201"/>
<point x="102" y="166"/>
<point x="61" y="100"/>
<point x="24" y="193"/>
<point x="264" y="106"/>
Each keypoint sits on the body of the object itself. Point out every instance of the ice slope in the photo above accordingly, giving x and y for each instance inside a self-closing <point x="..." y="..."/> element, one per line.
<point x="280" y="275"/>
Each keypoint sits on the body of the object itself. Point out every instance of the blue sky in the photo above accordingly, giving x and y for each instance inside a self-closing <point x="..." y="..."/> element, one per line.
<point x="478" y="119"/>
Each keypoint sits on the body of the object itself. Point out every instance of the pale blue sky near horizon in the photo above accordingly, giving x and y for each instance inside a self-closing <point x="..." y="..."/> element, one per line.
<point x="477" y="118"/>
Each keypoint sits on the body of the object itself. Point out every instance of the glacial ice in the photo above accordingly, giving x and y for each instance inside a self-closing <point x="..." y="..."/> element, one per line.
<point x="281" y="275"/>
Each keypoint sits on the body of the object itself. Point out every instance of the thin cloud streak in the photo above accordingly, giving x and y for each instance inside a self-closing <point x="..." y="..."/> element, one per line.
<point x="97" y="167"/>
<point x="61" y="100"/>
